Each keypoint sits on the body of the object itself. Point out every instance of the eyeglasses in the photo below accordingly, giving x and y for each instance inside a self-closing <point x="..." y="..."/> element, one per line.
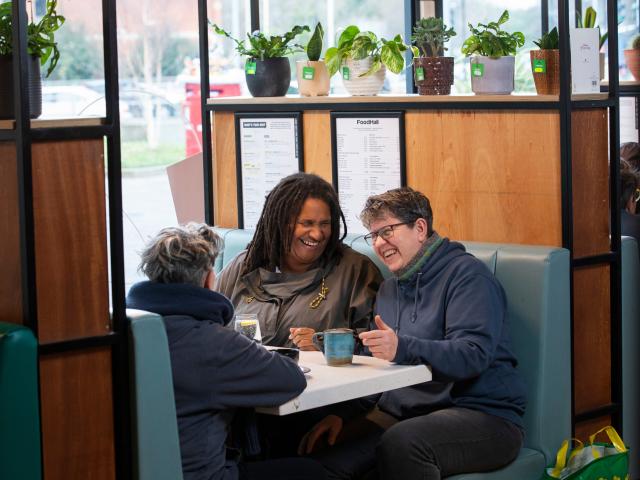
<point x="385" y="233"/>
<point x="636" y="195"/>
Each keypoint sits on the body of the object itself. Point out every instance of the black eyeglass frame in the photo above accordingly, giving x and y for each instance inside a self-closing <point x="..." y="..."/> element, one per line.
<point x="371" y="237"/>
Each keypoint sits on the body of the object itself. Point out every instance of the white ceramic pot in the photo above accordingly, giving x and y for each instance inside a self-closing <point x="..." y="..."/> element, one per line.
<point x="360" y="86"/>
<point x="492" y="76"/>
<point x="313" y="78"/>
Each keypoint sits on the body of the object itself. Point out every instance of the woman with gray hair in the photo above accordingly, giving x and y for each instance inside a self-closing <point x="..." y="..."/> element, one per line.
<point x="442" y="308"/>
<point x="215" y="370"/>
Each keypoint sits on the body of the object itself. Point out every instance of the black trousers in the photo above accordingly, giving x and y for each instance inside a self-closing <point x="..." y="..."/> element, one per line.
<point x="282" y="469"/>
<point x="430" y="447"/>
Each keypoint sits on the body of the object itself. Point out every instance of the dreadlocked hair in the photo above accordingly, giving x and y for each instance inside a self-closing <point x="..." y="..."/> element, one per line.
<point x="272" y="238"/>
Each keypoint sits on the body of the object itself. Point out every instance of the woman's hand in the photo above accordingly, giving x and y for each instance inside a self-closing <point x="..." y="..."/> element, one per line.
<point x="302" y="337"/>
<point x="330" y="425"/>
<point x="382" y="343"/>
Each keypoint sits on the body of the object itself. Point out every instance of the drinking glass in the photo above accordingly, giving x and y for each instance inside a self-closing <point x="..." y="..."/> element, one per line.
<point x="247" y="324"/>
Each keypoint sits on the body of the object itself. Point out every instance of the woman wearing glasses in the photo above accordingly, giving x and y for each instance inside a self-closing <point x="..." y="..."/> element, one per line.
<point x="445" y="309"/>
<point x="296" y="273"/>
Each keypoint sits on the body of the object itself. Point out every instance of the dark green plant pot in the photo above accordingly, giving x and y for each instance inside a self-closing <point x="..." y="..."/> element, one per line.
<point x="272" y="77"/>
<point x="6" y="87"/>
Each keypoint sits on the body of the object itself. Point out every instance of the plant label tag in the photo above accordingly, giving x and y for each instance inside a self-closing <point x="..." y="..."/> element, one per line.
<point x="308" y="73"/>
<point x="345" y="73"/>
<point x="420" y="74"/>
<point x="477" y="69"/>
<point x="539" y="65"/>
<point x="250" y="68"/>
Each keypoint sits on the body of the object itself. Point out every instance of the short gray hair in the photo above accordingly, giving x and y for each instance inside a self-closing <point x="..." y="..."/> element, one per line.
<point x="406" y="204"/>
<point x="181" y="254"/>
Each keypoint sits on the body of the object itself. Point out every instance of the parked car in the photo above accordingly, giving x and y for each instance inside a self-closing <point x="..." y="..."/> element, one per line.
<point x="65" y="101"/>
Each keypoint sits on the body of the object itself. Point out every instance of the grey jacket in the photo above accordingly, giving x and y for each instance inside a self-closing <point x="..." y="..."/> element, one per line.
<point x="283" y="300"/>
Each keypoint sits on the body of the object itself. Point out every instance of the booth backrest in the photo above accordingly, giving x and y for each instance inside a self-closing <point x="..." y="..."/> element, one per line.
<point x="19" y="410"/>
<point x="155" y="425"/>
<point x="536" y="283"/>
<point x="630" y="351"/>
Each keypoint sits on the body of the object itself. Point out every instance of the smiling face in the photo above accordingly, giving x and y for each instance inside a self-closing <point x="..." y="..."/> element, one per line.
<point x="311" y="233"/>
<point x="399" y="248"/>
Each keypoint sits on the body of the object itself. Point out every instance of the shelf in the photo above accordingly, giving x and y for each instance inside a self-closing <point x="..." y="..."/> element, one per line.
<point x="56" y="123"/>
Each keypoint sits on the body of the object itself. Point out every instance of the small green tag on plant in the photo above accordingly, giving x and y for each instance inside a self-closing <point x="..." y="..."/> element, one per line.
<point x="250" y="68"/>
<point x="420" y="74"/>
<point x="345" y="73"/>
<point x="308" y="73"/>
<point x="477" y="69"/>
<point x="540" y="66"/>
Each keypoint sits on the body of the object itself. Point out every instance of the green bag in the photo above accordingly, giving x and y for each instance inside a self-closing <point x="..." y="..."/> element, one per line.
<point x="594" y="461"/>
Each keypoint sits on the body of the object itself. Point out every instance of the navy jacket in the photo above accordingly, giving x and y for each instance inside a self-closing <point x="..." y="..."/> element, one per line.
<point x="451" y="315"/>
<point x="215" y="371"/>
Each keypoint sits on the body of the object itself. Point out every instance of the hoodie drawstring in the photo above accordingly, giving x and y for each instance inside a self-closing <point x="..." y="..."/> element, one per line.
<point x="414" y="315"/>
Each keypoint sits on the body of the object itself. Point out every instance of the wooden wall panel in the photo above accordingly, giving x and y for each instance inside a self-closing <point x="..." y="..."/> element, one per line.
<point x="590" y="172"/>
<point x="317" y="143"/>
<point x="589" y="427"/>
<point x="77" y="415"/>
<point x="592" y="338"/>
<point x="224" y="170"/>
<point x="490" y="176"/>
<point x="11" y="278"/>
<point x="70" y="239"/>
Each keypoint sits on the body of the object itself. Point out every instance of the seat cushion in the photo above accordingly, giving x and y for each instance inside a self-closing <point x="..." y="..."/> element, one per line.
<point x="529" y="465"/>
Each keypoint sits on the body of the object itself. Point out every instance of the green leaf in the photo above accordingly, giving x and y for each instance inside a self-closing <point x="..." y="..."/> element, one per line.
<point x="333" y="59"/>
<point x="314" y="47"/>
<point x="504" y="17"/>
<point x="348" y="35"/>
<point x="391" y="57"/>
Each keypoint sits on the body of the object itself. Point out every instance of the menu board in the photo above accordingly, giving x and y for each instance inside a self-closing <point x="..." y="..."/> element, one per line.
<point x="269" y="150"/>
<point x="368" y="160"/>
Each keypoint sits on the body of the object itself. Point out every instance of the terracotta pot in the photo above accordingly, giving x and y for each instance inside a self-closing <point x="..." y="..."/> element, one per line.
<point x="6" y="87"/>
<point x="437" y="73"/>
<point x="632" y="59"/>
<point x="360" y="86"/>
<point x="318" y="84"/>
<point x="492" y="76"/>
<point x="546" y="75"/>
<point x="270" y="77"/>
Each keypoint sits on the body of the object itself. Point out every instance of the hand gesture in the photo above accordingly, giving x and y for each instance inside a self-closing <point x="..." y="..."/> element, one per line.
<point x="382" y="343"/>
<point x="301" y="336"/>
<point x="330" y="425"/>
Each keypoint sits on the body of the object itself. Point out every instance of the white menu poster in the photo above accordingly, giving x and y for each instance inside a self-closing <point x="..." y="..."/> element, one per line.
<point x="268" y="152"/>
<point x="368" y="161"/>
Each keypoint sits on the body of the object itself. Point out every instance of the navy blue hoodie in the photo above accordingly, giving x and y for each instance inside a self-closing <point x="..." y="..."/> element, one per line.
<point x="215" y="371"/>
<point x="450" y="314"/>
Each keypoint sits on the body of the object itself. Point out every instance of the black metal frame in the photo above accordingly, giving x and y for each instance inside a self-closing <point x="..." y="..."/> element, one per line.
<point x="24" y="136"/>
<point x="369" y="115"/>
<point x="297" y="116"/>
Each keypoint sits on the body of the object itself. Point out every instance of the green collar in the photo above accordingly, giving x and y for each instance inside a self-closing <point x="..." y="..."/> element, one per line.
<point x="420" y="258"/>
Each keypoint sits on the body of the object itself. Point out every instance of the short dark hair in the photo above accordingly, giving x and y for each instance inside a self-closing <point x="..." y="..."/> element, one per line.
<point x="628" y="184"/>
<point x="405" y="203"/>
<point x="272" y="238"/>
<point x="181" y="254"/>
<point x="630" y="152"/>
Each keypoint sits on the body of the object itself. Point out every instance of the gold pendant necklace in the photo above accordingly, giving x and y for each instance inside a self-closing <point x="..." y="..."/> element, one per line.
<point x="315" y="303"/>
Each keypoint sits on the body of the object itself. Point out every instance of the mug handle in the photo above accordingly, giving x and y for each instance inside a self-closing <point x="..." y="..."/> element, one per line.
<point x="318" y="340"/>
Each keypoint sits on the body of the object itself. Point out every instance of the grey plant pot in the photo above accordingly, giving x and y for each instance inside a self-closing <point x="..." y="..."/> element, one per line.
<point x="34" y="83"/>
<point x="497" y="76"/>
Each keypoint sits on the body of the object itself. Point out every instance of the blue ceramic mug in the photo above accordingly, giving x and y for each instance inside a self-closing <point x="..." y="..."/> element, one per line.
<point x="337" y="345"/>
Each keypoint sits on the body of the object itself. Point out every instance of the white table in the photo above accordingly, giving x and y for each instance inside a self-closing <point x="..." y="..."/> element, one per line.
<point x="365" y="376"/>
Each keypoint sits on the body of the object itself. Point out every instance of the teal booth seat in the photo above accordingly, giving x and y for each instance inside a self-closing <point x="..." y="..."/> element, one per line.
<point x="536" y="283"/>
<point x="631" y="352"/>
<point x="155" y="425"/>
<point x="20" y="456"/>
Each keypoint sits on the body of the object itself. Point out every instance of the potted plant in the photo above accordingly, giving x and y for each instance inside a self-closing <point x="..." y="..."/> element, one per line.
<point x="312" y="74"/>
<point x="589" y="21"/>
<point x="363" y="58"/>
<point x="41" y="47"/>
<point x="632" y="57"/>
<point x="545" y="63"/>
<point x="492" y="51"/>
<point x="267" y="68"/>
<point x="432" y="73"/>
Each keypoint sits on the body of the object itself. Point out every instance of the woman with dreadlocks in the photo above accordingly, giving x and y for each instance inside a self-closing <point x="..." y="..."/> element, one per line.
<point x="296" y="273"/>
